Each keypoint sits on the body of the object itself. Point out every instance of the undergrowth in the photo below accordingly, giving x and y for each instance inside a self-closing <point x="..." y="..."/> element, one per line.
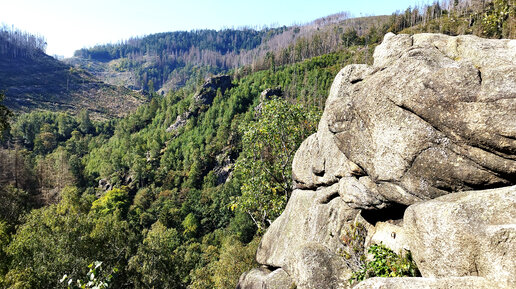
<point x="379" y="261"/>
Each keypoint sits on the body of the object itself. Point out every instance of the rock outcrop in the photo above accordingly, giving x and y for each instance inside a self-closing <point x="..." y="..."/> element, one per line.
<point x="420" y="147"/>
<point x="260" y="278"/>
<point x="435" y="114"/>
<point x="209" y="89"/>
<point x="465" y="234"/>
<point x="267" y="95"/>
<point x="204" y="97"/>
<point x="431" y="283"/>
<point x="180" y="121"/>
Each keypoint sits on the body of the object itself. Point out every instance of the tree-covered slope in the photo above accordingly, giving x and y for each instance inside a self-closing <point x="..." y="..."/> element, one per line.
<point x="151" y="61"/>
<point x="168" y="61"/>
<point x="176" y="216"/>
<point x="168" y="206"/>
<point x="33" y="80"/>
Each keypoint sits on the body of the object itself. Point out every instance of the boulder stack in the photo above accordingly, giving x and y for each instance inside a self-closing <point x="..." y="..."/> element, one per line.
<point x="420" y="147"/>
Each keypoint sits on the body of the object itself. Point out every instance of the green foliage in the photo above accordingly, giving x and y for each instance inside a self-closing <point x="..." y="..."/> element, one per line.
<point x="168" y="223"/>
<point x="172" y="226"/>
<point x="85" y="124"/>
<point x="4" y="242"/>
<point x="175" y="182"/>
<point x="190" y="225"/>
<point x="221" y="41"/>
<point x="381" y="261"/>
<point x="44" y="131"/>
<point x="490" y="19"/>
<point x="95" y="278"/>
<point x="235" y="258"/>
<point x="494" y="20"/>
<point x="159" y="57"/>
<point x="13" y="204"/>
<point x="265" y="163"/>
<point x="114" y="200"/>
<point x="44" y="246"/>
<point x="222" y="261"/>
<point x="242" y="227"/>
<point x="386" y="263"/>
<point x="156" y="262"/>
<point x="61" y="238"/>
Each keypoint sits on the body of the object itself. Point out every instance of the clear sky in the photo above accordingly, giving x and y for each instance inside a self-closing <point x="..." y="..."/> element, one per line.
<point x="69" y="25"/>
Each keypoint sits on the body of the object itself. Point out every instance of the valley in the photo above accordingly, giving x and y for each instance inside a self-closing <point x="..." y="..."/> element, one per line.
<point x="165" y="160"/>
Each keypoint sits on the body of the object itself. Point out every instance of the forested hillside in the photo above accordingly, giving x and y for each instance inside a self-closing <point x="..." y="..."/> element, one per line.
<point x="179" y="193"/>
<point x="32" y="80"/>
<point x="166" y="61"/>
<point x="164" y="208"/>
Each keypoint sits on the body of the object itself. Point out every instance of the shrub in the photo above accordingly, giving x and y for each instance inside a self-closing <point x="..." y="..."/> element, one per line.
<point x="265" y="163"/>
<point x="115" y="200"/>
<point x="386" y="263"/>
<point x="354" y="252"/>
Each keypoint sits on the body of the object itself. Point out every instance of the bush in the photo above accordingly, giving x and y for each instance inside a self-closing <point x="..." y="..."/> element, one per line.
<point x="386" y="263"/>
<point x="235" y="258"/>
<point x="115" y="200"/>
<point x="354" y="252"/>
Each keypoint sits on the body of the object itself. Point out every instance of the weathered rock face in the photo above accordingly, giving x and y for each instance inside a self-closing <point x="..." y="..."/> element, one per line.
<point x="434" y="116"/>
<point x="431" y="283"/>
<point x="465" y="234"/>
<point x="260" y="278"/>
<point x="308" y="217"/>
<point x="209" y="89"/>
<point x="305" y="239"/>
<point x="318" y="162"/>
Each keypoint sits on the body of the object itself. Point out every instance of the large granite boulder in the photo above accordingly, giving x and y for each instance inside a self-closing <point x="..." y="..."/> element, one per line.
<point x="310" y="217"/>
<point x="433" y="116"/>
<point x="318" y="162"/>
<point x="263" y="278"/>
<point x="431" y="283"/>
<point x="465" y="234"/>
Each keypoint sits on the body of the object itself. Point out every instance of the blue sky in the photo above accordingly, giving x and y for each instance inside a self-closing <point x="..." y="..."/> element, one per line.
<point x="73" y="24"/>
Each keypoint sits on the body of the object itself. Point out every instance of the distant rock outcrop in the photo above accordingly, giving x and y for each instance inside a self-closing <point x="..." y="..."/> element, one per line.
<point x="180" y="121"/>
<point x="419" y="147"/>
<point x="268" y="93"/>
<point x="265" y="96"/>
<point x="209" y="89"/>
<point x="204" y="97"/>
